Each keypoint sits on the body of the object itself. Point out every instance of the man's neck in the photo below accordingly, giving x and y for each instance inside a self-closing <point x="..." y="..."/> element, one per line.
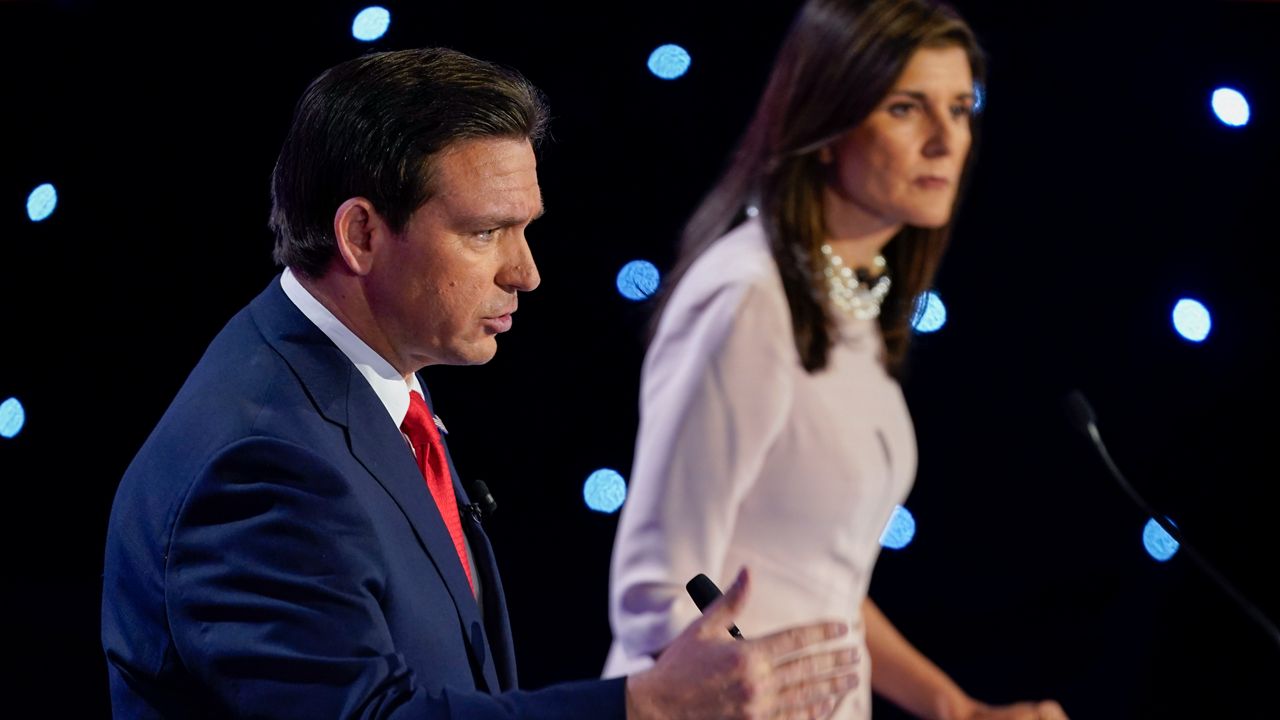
<point x="344" y="298"/>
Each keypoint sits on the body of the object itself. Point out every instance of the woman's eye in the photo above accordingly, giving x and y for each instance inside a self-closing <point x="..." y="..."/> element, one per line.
<point x="901" y="109"/>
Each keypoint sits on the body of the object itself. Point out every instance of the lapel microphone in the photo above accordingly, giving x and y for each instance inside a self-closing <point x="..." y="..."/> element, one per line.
<point x="1083" y="419"/>
<point x="482" y="504"/>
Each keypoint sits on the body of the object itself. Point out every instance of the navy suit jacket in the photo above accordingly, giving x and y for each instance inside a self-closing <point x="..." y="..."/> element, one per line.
<point x="273" y="552"/>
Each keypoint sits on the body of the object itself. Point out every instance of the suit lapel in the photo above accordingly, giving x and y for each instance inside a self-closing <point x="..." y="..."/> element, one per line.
<point x="343" y="396"/>
<point x="388" y="458"/>
<point x="501" y="668"/>
<point x="497" y="622"/>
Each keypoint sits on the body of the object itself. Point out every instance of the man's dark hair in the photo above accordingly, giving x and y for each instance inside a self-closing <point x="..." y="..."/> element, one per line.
<point x="372" y="127"/>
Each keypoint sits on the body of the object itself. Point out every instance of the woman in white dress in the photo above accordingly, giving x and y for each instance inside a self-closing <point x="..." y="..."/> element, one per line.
<point x="773" y="432"/>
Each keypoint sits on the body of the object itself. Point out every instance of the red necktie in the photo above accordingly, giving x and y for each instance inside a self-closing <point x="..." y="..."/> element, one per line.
<point x="420" y="426"/>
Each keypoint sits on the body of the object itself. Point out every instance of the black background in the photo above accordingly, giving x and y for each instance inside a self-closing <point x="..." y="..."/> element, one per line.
<point x="1105" y="190"/>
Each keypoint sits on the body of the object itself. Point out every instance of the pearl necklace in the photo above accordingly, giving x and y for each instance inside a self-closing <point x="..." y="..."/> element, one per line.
<point x="853" y="292"/>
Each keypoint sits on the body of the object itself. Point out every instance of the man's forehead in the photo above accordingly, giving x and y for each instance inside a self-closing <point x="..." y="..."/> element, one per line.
<point x="487" y="158"/>
<point x="489" y="177"/>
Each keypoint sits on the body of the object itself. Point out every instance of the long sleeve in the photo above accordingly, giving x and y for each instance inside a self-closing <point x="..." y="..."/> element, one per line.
<point x="716" y="391"/>
<point x="275" y="591"/>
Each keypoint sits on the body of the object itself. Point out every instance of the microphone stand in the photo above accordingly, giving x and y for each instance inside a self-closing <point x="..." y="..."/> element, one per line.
<point x="1081" y="412"/>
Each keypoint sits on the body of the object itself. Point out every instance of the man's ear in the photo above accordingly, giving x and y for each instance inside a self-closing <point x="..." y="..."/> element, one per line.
<point x="357" y="226"/>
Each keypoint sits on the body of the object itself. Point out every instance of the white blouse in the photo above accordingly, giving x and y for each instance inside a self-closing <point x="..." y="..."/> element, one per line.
<point x="744" y="458"/>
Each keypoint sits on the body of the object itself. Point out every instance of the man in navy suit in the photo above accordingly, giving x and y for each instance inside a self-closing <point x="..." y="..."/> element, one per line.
<point x="273" y="550"/>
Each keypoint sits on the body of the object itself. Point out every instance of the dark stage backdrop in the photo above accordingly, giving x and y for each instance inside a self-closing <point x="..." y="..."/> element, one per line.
<point x="1105" y="190"/>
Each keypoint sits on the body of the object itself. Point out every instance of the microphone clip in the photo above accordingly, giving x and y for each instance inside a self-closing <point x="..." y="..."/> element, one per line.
<point x="484" y="504"/>
<point x="474" y="510"/>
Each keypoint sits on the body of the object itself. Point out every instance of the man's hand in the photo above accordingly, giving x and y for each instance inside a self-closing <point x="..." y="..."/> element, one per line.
<point x="705" y="673"/>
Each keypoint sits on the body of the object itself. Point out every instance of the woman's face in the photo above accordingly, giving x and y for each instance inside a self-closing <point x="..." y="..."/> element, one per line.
<point x="902" y="164"/>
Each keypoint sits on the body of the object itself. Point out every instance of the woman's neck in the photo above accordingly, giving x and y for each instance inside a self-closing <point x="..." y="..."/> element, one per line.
<point x="854" y="234"/>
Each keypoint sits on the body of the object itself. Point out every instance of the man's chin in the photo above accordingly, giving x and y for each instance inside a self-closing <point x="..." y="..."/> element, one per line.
<point x="476" y="353"/>
<point x="479" y="353"/>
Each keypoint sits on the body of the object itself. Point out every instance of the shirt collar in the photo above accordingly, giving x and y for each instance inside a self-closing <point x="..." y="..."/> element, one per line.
<point x="386" y="382"/>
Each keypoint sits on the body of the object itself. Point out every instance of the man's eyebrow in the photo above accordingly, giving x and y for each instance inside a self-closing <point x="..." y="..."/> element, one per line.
<point x="501" y="219"/>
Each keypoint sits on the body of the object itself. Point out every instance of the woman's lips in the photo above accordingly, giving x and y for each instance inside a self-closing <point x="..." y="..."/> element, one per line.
<point x="932" y="182"/>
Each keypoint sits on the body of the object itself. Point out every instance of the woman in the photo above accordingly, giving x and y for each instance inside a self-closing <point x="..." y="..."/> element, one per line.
<point x="773" y="431"/>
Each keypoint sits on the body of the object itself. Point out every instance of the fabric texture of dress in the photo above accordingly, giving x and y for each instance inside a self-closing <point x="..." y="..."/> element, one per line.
<point x="744" y="458"/>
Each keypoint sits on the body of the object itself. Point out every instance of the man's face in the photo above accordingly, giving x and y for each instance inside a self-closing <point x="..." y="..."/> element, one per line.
<point x="444" y="288"/>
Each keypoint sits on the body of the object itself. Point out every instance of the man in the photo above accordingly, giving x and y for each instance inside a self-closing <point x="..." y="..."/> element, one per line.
<point x="273" y="549"/>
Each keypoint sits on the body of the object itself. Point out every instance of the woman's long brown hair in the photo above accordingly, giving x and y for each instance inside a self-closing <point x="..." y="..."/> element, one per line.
<point x="838" y="61"/>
